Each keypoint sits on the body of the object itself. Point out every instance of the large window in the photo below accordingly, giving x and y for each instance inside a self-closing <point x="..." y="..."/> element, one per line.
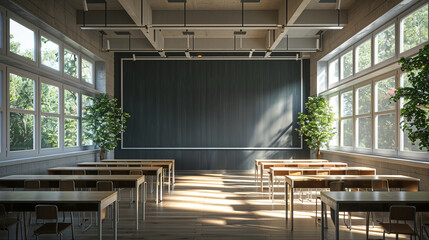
<point x="385" y="123"/>
<point x="50" y="117"/>
<point x="333" y="72"/>
<point x="363" y="56"/>
<point x="363" y="117"/>
<point x="22" y="112"/>
<point x="87" y="71"/>
<point x="385" y="44"/>
<point x="414" y="29"/>
<point x="86" y="140"/>
<point x="71" y="63"/>
<point x="71" y="119"/>
<point x="346" y="119"/>
<point x="50" y="53"/>
<point x="21" y="40"/>
<point x="333" y="103"/>
<point x="347" y="65"/>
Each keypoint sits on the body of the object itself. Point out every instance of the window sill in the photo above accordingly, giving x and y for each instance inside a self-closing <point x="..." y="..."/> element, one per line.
<point x="394" y="160"/>
<point x="10" y="162"/>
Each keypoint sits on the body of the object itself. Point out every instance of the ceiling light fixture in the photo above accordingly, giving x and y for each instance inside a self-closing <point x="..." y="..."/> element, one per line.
<point x="134" y="57"/>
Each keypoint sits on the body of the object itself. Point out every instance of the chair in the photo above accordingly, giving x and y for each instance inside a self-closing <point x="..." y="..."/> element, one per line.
<point x="6" y="223"/>
<point x="67" y="185"/>
<point x="31" y="184"/>
<point x="379" y="185"/>
<point x="105" y="186"/>
<point x="400" y="213"/>
<point x="333" y="187"/>
<point x="50" y="213"/>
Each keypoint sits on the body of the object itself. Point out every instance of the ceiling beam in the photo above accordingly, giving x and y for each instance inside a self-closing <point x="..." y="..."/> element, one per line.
<point x="96" y="17"/>
<point x="322" y="18"/>
<point x="294" y="10"/>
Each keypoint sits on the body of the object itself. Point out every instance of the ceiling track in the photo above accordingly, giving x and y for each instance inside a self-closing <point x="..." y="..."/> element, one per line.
<point x="206" y="27"/>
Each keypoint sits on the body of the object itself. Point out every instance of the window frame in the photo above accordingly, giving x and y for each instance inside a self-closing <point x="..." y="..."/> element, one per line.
<point x="342" y="118"/>
<point x="61" y="56"/>
<point x="79" y="72"/>
<point x="82" y="57"/>
<point x="336" y="94"/>
<point x="355" y="46"/>
<point x="336" y="58"/>
<point x="403" y="15"/>
<point x="34" y="151"/>
<point x="28" y="25"/>
<point x="60" y="142"/>
<point x="374" y="34"/>
<point x="340" y="77"/>
<point x="3" y="112"/>
<point x="5" y="32"/>
<point x="65" y="116"/>
<point x="357" y="116"/>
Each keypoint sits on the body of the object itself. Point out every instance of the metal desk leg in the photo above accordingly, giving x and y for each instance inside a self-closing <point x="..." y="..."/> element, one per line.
<point x="337" y="223"/>
<point x="157" y="187"/>
<point x="137" y="205"/>
<point x="169" y="178"/>
<point x="100" y="222"/>
<point x="287" y="201"/>
<point x="291" y="208"/>
<point x="322" y="229"/>
<point x="367" y="225"/>
<point x="262" y="180"/>
<point x="115" y="227"/>
<point x="143" y="199"/>
<point x="161" y="185"/>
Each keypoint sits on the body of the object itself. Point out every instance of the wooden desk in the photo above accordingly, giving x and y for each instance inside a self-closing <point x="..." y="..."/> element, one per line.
<point x="154" y="171"/>
<point x="259" y="161"/>
<point x="84" y="181"/>
<point x="265" y="166"/>
<point x="166" y="165"/>
<point x="173" y="161"/>
<point x="286" y="171"/>
<point x="79" y="201"/>
<point x="350" y="181"/>
<point x="370" y="202"/>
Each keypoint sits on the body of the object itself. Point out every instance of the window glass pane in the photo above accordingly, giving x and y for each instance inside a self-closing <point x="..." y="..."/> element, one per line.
<point x="363" y="98"/>
<point x="49" y="98"/>
<point x="333" y="102"/>
<point x="347" y="132"/>
<point x="333" y="72"/>
<point x="363" y="56"/>
<point x="347" y="104"/>
<point x="87" y="71"/>
<point x="385" y="44"/>
<point x="86" y="140"/>
<point x="49" y="132"/>
<point x="363" y="131"/>
<point x="21" y="40"/>
<point x="71" y="63"/>
<point x="385" y="125"/>
<point x="50" y="53"/>
<point x="70" y="103"/>
<point x="384" y="90"/>
<point x="70" y="132"/>
<point x="347" y="65"/>
<point x="21" y="92"/>
<point x="321" y="81"/>
<point x="414" y="29"/>
<point x="21" y="131"/>
<point x="407" y="144"/>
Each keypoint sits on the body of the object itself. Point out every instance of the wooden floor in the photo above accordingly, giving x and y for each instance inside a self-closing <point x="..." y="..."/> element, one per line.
<point x="218" y="206"/>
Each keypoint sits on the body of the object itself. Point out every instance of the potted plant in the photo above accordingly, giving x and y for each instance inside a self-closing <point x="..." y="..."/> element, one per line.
<point x="105" y="122"/>
<point x="317" y="123"/>
<point x="415" y="98"/>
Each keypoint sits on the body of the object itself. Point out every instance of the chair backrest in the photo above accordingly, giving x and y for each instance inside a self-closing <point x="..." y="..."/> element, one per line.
<point x="32" y="184"/>
<point x="67" y="185"/>
<point x="104" y="172"/>
<point x="79" y="172"/>
<point x="337" y="186"/>
<point x="402" y="213"/>
<point x="380" y="185"/>
<point x="46" y="212"/>
<point x="136" y="172"/>
<point x="104" y="186"/>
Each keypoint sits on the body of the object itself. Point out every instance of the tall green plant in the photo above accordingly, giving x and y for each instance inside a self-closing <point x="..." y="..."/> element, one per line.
<point x="105" y="121"/>
<point x="415" y="95"/>
<point x="317" y="123"/>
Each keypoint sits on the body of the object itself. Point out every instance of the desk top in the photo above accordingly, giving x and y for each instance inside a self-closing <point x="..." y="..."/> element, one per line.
<point x="137" y="160"/>
<point x="41" y="197"/>
<point x="370" y="197"/>
<point x="123" y="163"/>
<point x="318" y="168"/>
<point x="291" y="160"/>
<point x="105" y="168"/>
<point x="74" y="177"/>
<point x="265" y="164"/>
<point x="349" y="177"/>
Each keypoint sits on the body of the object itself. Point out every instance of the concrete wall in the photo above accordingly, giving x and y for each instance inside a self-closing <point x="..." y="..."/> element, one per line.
<point x="61" y="15"/>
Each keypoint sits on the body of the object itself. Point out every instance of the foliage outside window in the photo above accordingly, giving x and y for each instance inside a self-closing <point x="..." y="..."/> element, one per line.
<point x="414" y="29"/>
<point x="347" y="65"/>
<point x="363" y="56"/>
<point x="333" y="72"/>
<point x="363" y="120"/>
<point x="71" y="63"/>
<point x="385" y="44"/>
<point x="71" y="118"/>
<point x="87" y="71"/>
<point x="50" y="53"/>
<point x="385" y="114"/>
<point x="333" y="103"/>
<point x="384" y="90"/>
<point x="21" y="40"/>
<point x="347" y="104"/>
<point x="49" y="116"/>
<point x="346" y="121"/>
<point x="316" y="125"/>
<point x="86" y="131"/>
<point x="22" y="112"/>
